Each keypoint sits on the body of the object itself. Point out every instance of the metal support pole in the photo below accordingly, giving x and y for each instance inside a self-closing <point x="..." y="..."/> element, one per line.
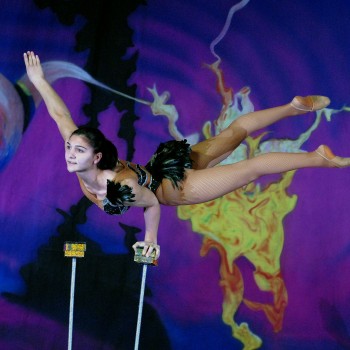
<point x="71" y="306"/>
<point x="73" y="250"/>
<point x="139" y="258"/>
<point x="139" y="316"/>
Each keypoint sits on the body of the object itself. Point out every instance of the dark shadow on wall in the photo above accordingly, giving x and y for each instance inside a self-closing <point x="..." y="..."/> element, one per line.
<point x="107" y="37"/>
<point x="334" y="323"/>
<point x="107" y="288"/>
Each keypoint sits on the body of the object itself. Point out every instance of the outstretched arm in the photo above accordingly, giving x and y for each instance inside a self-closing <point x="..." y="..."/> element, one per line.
<point x="152" y="217"/>
<point x="146" y="198"/>
<point x="55" y="106"/>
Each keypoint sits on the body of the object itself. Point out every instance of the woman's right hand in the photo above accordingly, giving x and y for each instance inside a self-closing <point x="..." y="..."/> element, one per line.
<point x="34" y="70"/>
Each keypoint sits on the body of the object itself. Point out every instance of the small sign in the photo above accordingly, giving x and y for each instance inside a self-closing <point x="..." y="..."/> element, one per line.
<point x="74" y="249"/>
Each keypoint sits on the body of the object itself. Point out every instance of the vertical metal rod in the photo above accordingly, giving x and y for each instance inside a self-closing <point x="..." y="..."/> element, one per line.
<point x="139" y="316"/>
<point x="71" y="306"/>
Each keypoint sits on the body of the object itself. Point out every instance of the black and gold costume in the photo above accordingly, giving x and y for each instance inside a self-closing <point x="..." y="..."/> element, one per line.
<point x="168" y="162"/>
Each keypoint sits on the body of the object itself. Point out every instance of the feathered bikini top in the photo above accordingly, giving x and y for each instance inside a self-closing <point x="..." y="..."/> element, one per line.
<point x="118" y="194"/>
<point x="169" y="162"/>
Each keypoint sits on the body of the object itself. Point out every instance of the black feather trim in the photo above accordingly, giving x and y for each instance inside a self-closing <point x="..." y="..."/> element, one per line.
<point x="170" y="161"/>
<point x="118" y="194"/>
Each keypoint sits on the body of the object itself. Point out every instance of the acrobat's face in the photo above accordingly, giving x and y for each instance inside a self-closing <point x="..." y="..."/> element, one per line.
<point x="80" y="154"/>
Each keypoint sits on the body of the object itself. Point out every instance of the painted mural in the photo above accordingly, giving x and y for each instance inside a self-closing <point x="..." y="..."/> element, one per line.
<point x="265" y="266"/>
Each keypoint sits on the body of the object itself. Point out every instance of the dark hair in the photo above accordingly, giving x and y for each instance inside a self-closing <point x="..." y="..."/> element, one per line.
<point x="101" y="144"/>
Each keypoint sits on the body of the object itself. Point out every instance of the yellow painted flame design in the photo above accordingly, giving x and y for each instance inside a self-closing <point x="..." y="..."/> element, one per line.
<point x="247" y="223"/>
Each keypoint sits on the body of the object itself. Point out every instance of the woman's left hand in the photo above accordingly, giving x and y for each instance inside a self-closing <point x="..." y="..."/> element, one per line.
<point x="148" y="248"/>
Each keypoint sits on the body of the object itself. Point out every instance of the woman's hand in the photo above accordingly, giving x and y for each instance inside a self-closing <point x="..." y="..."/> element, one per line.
<point x="34" y="70"/>
<point x="55" y="105"/>
<point x="143" y="197"/>
<point x="148" y="248"/>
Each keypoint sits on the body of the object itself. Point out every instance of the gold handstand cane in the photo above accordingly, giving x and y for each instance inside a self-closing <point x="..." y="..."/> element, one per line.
<point x="141" y="259"/>
<point x="73" y="250"/>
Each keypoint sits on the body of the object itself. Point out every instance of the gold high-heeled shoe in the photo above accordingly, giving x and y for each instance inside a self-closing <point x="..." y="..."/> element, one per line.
<point x="310" y="103"/>
<point x="326" y="153"/>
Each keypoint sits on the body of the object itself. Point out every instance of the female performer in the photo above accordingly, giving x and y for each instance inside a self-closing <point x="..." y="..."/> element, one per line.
<point x="177" y="174"/>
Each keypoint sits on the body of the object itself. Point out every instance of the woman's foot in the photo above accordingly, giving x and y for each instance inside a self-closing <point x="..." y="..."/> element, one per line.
<point x="334" y="161"/>
<point x="310" y="103"/>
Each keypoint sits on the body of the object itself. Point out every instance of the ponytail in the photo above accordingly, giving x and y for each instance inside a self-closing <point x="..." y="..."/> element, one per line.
<point x="109" y="155"/>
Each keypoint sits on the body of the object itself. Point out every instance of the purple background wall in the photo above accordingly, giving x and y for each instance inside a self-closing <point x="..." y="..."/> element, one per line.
<point x="277" y="48"/>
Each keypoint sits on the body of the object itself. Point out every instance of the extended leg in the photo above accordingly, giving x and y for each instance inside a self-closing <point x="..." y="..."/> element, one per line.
<point x="207" y="184"/>
<point x="213" y="150"/>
